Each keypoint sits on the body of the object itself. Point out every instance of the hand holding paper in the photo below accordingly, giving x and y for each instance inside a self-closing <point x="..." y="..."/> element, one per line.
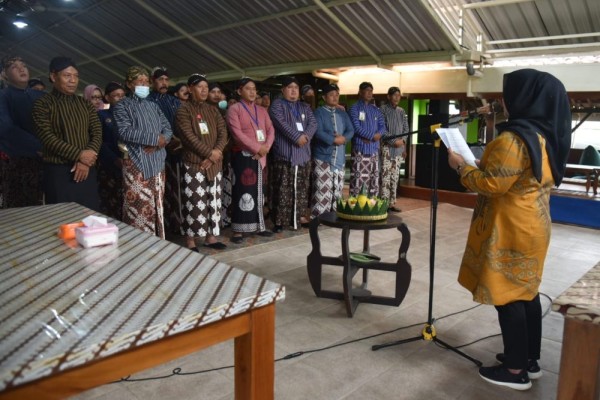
<point x="454" y="140"/>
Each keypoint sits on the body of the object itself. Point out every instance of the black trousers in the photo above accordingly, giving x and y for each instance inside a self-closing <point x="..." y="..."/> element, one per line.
<point x="59" y="186"/>
<point x="521" y="326"/>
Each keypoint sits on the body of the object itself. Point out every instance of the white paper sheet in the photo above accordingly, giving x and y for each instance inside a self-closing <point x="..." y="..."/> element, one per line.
<point x="453" y="139"/>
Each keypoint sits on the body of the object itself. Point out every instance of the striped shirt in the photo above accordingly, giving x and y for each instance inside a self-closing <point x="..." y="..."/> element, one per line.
<point x="286" y="115"/>
<point x="66" y="125"/>
<point x="168" y="105"/>
<point x="396" y="121"/>
<point x="140" y="122"/>
<point x="364" y="129"/>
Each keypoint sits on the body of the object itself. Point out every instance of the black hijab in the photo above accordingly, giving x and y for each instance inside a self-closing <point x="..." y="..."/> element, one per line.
<point x="537" y="102"/>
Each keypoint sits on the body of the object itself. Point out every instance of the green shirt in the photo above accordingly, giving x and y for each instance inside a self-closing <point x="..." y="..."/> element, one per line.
<point x="66" y="125"/>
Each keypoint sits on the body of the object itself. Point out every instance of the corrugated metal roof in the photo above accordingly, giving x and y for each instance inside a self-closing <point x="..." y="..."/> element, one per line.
<point x="267" y="37"/>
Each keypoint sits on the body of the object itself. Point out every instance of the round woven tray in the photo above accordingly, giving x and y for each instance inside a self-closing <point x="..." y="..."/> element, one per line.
<point x="361" y="217"/>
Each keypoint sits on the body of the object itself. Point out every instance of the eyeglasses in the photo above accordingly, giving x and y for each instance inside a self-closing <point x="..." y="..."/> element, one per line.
<point x="96" y="97"/>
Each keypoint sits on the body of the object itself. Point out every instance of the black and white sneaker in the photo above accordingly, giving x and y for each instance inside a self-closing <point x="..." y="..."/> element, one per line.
<point x="500" y="375"/>
<point x="533" y="369"/>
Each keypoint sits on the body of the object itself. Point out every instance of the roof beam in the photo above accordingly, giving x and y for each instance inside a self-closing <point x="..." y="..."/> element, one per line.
<point x="544" y="38"/>
<point x="234" y="25"/>
<point x="188" y="36"/>
<point x="436" y="17"/>
<point x="105" y="41"/>
<point x="544" y="48"/>
<point x="493" y="3"/>
<point x="265" y="71"/>
<point x="68" y="45"/>
<point x="348" y="31"/>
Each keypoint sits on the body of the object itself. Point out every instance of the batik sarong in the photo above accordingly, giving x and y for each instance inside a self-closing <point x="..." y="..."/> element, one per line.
<point x="172" y="201"/>
<point x="226" y="194"/>
<point x="390" y="171"/>
<point x="201" y="203"/>
<point x="143" y="200"/>
<point x="365" y="171"/>
<point x="248" y="199"/>
<point x="327" y="187"/>
<point x="289" y="192"/>
<point x="110" y="189"/>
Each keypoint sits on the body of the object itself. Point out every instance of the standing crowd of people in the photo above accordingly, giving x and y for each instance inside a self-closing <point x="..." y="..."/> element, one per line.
<point x="183" y="159"/>
<point x="188" y="159"/>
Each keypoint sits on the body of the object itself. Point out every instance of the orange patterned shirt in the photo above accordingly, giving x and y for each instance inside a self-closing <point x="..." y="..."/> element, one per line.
<point x="510" y="229"/>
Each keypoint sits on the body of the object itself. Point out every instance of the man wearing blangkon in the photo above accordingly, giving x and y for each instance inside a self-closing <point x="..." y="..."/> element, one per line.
<point x="71" y="134"/>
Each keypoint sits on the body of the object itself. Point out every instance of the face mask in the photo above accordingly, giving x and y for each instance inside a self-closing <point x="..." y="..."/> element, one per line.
<point x="223" y="104"/>
<point x="142" y="91"/>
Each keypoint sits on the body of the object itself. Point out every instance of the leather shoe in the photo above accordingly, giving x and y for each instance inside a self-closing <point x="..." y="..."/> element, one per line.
<point x="278" y="228"/>
<point x="265" y="233"/>
<point x="237" y="239"/>
<point x="216" y="245"/>
<point x="395" y="209"/>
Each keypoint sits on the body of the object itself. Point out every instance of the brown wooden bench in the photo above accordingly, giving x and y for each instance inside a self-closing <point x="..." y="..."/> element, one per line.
<point x="591" y="173"/>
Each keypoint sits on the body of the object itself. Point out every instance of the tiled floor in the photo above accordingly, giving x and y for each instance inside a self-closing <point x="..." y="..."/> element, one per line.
<point x="417" y="370"/>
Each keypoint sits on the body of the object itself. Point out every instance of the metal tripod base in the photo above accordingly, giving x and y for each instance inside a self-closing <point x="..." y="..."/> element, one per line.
<point x="428" y="333"/>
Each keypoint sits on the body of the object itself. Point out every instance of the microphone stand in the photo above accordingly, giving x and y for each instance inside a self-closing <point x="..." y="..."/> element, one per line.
<point x="428" y="332"/>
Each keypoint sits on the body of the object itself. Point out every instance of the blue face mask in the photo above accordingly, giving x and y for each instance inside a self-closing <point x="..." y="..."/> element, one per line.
<point x="142" y="91"/>
<point x="223" y="104"/>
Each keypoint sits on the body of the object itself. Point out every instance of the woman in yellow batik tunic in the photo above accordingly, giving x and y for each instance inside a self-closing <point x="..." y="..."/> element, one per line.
<point x="510" y="229"/>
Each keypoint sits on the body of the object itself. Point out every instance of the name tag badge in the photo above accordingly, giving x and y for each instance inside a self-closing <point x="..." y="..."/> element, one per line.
<point x="303" y="117"/>
<point x="260" y="135"/>
<point x="361" y="116"/>
<point x="299" y="127"/>
<point x="203" y="128"/>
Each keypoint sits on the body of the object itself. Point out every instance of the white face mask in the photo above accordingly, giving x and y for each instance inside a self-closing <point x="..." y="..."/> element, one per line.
<point x="223" y="104"/>
<point x="142" y="91"/>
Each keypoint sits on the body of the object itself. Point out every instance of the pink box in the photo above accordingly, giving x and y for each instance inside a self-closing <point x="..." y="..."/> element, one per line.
<point x="97" y="235"/>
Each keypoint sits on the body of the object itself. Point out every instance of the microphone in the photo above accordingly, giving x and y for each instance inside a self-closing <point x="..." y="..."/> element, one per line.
<point x="493" y="107"/>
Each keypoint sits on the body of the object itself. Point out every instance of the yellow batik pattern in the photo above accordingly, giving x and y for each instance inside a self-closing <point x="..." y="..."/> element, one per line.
<point x="510" y="229"/>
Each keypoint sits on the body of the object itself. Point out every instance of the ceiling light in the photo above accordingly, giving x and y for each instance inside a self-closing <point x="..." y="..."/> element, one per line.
<point x="20" y="22"/>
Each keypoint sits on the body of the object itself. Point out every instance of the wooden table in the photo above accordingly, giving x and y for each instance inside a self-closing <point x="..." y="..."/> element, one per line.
<point x="580" y="358"/>
<point x="592" y="175"/>
<point x="352" y="296"/>
<point x="75" y="318"/>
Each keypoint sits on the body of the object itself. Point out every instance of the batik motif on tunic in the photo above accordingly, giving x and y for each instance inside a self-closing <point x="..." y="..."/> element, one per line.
<point x="328" y="184"/>
<point x="248" y="199"/>
<point x="365" y="171"/>
<point x="201" y="203"/>
<point x="143" y="200"/>
<point x="390" y="172"/>
<point x="289" y="192"/>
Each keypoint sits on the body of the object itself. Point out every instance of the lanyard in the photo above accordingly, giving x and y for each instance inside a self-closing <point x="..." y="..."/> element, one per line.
<point x="295" y="110"/>
<point x="253" y="118"/>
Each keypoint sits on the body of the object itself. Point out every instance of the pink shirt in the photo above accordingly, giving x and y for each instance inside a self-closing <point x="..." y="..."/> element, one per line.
<point x="242" y="123"/>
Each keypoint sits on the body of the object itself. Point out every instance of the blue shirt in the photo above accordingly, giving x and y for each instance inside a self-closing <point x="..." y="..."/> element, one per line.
<point x="365" y="129"/>
<point x="168" y="105"/>
<point x="17" y="133"/>
<point x="285" y="116"/>
<point x="109" y="150"/>
<point x="139" y="122"/>
<point x="322" y="144"/>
